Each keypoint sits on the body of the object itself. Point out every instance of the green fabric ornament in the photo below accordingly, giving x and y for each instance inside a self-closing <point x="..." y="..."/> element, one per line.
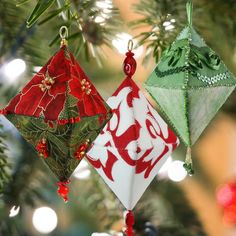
<point x="190" y="84"/>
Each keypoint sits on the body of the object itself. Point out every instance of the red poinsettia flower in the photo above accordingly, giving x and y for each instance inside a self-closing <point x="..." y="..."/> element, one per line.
<point x="35" y="100"/>
<point x="90" y="103"/>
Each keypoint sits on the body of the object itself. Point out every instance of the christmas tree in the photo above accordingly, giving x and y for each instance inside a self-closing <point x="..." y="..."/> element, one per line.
<point x="98" y="32"/>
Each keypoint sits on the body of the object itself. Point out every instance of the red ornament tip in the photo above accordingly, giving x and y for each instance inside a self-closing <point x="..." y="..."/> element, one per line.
<point x="63" y="190"/>
<point x="129" y="220"/>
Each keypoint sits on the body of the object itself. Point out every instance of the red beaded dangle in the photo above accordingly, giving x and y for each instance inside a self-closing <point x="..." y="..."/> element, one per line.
<point x="129" y="221"/>
<point x="63" y="190"/>
<point x="129" y="64"/>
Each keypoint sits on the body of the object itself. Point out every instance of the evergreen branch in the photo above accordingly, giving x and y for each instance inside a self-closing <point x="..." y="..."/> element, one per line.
<point x="90" y="24"/>
<point x="163" y="18"/>
<point x="4" y="165"/>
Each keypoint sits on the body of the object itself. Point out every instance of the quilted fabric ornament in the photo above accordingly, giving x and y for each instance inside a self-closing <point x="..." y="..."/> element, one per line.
<point x="60" y="113"/>
<point x="190" y="84"/>
<point x="134" y="144"/>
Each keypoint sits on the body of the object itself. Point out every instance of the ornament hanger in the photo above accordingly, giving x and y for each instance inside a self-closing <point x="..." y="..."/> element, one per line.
<point x="130" y="45"/>
<point x="63" y="32"/>
<point x="189" y="9"/>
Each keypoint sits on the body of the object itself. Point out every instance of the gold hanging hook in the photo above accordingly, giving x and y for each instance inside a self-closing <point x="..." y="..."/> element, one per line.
<point x="63" y="32"/>
<point x="130" y="45"/>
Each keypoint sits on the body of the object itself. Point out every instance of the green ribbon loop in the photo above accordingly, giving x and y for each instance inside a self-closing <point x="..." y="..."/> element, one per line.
<point x="189" y="9"/>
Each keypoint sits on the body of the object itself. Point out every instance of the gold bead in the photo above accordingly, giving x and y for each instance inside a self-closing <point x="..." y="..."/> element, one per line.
<point x="43" y="89"/>
<point x="64" y="42"/>
<point x="82" y="153"/>
<point x="51" y="81"/>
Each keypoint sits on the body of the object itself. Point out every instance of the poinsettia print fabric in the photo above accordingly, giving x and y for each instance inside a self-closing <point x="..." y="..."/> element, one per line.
<point x="133" y="146"/>
<point x="45" y="96"/>
<point x="60" y="113"/>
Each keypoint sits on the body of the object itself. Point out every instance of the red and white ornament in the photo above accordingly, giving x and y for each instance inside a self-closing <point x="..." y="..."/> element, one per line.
<point x="134" y="144"/>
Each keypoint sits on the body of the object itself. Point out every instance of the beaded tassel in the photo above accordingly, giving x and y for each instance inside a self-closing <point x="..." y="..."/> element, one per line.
<point x="63" y="189"/>
<point x="129" y="220"/>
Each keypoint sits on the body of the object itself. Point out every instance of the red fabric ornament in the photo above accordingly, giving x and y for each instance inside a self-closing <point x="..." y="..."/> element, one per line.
<point x="60" y="113"/>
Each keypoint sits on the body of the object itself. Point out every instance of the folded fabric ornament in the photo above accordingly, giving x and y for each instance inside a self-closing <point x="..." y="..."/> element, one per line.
<point x="190" y="84"/>
<point x="134" y="144"/>
<point x="60" y="113"/>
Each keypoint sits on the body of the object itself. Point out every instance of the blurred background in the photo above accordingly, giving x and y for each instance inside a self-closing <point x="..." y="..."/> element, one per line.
<point x="99" y="30"/>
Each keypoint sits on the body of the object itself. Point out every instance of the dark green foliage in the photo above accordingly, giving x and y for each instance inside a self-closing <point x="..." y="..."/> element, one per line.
<point x="4" y="164"/>
<point x="154" y="15"/>
<point x="81" y="17"/>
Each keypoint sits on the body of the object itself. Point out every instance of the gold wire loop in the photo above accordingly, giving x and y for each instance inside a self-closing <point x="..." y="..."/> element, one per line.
<point x="63" y="32"/>
<point x="130" y="45"/>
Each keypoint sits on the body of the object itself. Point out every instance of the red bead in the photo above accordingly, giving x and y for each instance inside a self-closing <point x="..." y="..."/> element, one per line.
<point x="79" y="154"/>
<point x="129" y="220"/>
<point x="63" y="190"/>
<point x="41" y="147"/>
<point x="129" y="64"/>
<point x="77" y="119"/>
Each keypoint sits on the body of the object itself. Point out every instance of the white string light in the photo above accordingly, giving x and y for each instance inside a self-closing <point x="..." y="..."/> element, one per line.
<point x="176" y="171"/>
<point x="164" y="169"/>
<point x="14" y="211"/>
<point x="14" y="69"/>
<point x="44" y="220"/>
<point x="121" y="41"/>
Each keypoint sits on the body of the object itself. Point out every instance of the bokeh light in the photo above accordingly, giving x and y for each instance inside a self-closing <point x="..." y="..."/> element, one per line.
<point x="121" y="42"/>
<point x="44" y="220"/>
<point x="14" y="69"/>
<point x="82" y="171"/>
<point x="176" y="171"/>
<point x="14" y="211"/>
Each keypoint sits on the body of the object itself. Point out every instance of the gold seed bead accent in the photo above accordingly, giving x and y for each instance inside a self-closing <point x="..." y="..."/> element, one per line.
<point x="85" y="86"/>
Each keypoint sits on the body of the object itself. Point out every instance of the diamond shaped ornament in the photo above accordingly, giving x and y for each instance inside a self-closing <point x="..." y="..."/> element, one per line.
<point x="190" y="83"/>
<point x="134" y="144"/>
<point x="60" y="113"/>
